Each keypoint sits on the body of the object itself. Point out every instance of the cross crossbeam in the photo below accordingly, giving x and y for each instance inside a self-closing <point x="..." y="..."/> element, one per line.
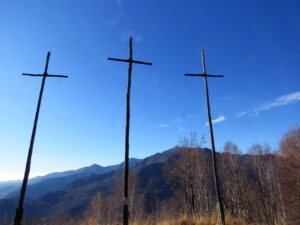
<point x="130" y="61"/>
<point x="202" y="75"/>
<point x="220" y="207"/>
<point x="44" y="75"/>
<point x="20" y="209"/>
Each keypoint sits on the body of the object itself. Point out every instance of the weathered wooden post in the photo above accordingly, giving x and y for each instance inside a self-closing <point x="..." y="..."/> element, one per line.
<point x="20" y="209"/>
<point x="220" y="207"/>
<point x="126" y="161"/>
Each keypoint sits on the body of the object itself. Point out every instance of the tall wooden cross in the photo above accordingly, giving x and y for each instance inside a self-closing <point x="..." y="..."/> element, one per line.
<point x="130" y="61"/>
<point x="20" y="209"/>
<point x="220" y="208"/>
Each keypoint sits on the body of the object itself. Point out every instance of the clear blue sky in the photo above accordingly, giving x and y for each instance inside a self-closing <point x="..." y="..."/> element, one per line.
<point x="255" y="44"/>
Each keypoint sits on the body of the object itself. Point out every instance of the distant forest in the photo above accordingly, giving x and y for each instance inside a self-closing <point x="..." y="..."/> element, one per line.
<point x="259" y="186"/>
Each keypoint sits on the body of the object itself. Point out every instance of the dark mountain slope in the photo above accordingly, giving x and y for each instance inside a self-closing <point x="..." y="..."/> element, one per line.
<point x="72" y="199"/>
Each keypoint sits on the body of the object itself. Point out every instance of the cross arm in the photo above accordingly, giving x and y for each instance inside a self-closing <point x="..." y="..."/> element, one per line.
<point x="140" y="62"/>
<point x="130" y="60"/>
<point x="42" y="75"/>
<point x="120" y="60"/>
<point x="202" y="75"/>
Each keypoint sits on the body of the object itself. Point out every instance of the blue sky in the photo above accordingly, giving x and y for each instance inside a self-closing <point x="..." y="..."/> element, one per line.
<point x="255" y="44"/>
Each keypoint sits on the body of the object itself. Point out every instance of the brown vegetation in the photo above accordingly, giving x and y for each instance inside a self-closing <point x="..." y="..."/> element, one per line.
<point x="289" y="163"/>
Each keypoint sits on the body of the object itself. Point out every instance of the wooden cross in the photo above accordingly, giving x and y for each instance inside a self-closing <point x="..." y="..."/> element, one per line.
<point x="126" y="161"/>
<point x="220" y="208"/>
<point x="20" y="209"/>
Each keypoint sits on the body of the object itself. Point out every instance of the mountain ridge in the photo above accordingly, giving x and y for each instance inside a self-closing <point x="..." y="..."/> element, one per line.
<point x="42" y="184"/>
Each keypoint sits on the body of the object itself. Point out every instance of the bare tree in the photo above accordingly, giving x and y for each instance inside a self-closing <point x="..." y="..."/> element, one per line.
<point x="98" y="211"/>
<point x="188" y="175"/>
<point x="236" y="182"/>
<point x="289" y="158"/>
<point x="266" y="185"/>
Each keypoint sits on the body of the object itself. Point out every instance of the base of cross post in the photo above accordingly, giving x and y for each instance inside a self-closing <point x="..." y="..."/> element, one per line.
<point x="125" y="214"/>
<point x="221" y="219"/>
<point x="19" y="216"/>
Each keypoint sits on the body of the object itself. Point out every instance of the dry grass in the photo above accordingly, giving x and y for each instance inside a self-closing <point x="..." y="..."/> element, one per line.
<point x="184" y="220"/>
<point x="156" y="220"/>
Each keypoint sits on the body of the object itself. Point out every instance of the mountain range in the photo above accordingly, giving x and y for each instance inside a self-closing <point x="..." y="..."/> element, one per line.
<point x="43" y="184"/>
<point x="71" y="191"/>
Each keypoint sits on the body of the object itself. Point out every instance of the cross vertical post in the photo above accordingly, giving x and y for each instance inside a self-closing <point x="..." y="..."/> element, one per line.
<point x="220" y="207"/>
<point x="130" y="61"/>
<point x="20" y="209"/>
